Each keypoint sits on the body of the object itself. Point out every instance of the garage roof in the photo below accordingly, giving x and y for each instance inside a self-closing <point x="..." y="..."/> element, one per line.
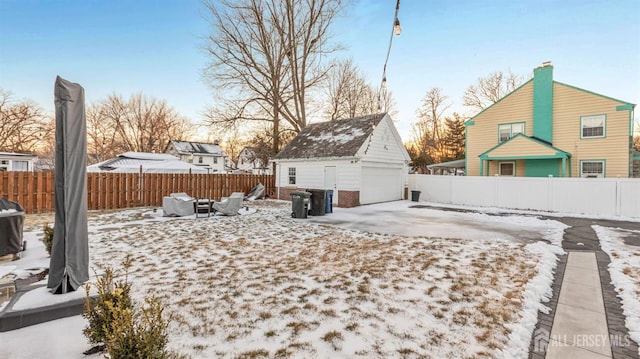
<point x="340" y="138"/>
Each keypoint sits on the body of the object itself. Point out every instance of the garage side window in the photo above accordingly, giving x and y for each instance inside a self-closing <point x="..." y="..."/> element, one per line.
<point x="292" y="175"/>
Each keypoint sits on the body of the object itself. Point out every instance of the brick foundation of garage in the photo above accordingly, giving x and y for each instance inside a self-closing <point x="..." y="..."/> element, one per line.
<point x="346" y="199"/>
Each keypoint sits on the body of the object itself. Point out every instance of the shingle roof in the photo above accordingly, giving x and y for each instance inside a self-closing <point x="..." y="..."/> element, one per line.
<point x="341" y="138"/>
<point x="186" y="147"/>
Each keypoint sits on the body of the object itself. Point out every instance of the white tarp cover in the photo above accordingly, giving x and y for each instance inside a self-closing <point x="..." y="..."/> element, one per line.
<point x="229" y="206"/>
<point x="130" y="162"/>
<point x="69" y="263"/>
<point x="178" y="205"/>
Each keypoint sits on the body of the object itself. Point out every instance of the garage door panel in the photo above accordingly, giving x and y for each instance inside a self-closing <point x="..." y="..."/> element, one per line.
<point x="380" y="185"/>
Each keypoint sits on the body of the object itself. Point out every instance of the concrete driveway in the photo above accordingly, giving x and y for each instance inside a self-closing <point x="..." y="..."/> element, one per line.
<point x="407" y="218"/>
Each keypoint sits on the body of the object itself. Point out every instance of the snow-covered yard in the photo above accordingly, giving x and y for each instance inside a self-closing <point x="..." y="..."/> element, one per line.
<point x="264" y="284"/>
<point x="625" y="271"/>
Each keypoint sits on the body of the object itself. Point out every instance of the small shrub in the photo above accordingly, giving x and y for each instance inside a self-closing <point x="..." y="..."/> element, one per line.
<point x="48" y="238"/>
<point x="121" y="329"/>
<point x="112" y="297"/>
<point x="138" y="336"/>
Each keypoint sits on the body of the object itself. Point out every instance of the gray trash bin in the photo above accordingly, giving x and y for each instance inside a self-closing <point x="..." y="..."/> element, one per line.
<point x="415" y="196"/>
<point x="317" y="202"/>
<point x="300" y="202"/>
<point x="328" y="201"/>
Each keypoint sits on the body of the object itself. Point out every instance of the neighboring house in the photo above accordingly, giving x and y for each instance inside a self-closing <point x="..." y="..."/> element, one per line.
<point x="18" y="162"/>
<point x="451" y="168"/>
<point x="134" y="162"/>
<point x="249" y="162"/>
<point x="229" y="165"/>
<point x="548" y="128"/>
<point x="361" y="159"/>
<point x="206" y="155"/>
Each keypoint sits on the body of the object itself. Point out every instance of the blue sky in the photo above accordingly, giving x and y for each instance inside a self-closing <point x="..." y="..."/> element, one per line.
<point x="154" y="47"/>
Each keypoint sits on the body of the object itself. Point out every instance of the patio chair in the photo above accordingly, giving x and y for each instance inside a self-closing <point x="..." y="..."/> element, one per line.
<point x="203" y="206"/>
<point x="229" y="206"/>
<point x="178" y="205"/>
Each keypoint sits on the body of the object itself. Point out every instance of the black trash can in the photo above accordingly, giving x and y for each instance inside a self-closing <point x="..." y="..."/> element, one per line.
<point x="415" y="196"/>
<point x="300" y="204"/>
<point x="328" y="200"/>
<point x="11" y="222"/>
<point x="317" y="202"/>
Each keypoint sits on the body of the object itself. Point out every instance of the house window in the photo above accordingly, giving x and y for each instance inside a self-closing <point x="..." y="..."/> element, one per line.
<point x="507" y="168"/>
<point x="508" y="130"/>
<point x="292" y="175"/>
<point x="20" y="165"/>
<point x="592" y="126"/>
<point x="215" y="160"/>
<point x="200" y="159"/>
<point x="591" y="169"/>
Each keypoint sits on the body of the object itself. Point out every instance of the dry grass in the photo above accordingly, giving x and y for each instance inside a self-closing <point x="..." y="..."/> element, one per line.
<point x="267" y="279"/>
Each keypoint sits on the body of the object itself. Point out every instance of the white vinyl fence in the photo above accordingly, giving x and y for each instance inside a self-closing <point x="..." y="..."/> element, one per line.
<point x="594" y="196"/>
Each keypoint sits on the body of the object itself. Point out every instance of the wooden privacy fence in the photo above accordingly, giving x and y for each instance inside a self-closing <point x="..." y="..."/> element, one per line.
<point x="34" y="190"/>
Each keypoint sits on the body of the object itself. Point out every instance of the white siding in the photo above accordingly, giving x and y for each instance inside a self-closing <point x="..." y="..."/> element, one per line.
<point x="385" y="145"/>
<point x="383" y="154"/>
<point x="310" y="174"/>
<point x="16" y="162"/>
<point x="385" y="149"/>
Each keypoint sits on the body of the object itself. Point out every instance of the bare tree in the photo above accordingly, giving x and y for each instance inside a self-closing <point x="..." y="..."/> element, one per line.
<point x="265" y="58"/>
<point x="231" y="141"/>
<point x="102" y="138"/>
<point x="490" y="89"/>
<point x="429" y="130"/>
<point x="349" y="95"/>
<point x="262" y="143"/>
<point x="141" y="124"/>
<point x="431" y="114"/>
<point x="23" y="124"/>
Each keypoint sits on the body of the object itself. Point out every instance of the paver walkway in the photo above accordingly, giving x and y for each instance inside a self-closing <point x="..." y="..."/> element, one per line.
<point x="580" y="324"/>
<point x="586" y="313"/>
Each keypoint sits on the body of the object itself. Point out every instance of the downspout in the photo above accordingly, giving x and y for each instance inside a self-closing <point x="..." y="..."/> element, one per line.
<point x="629" y="107"/>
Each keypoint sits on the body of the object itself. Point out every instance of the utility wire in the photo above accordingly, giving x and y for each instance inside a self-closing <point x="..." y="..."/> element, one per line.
<point x="396" y="23"/>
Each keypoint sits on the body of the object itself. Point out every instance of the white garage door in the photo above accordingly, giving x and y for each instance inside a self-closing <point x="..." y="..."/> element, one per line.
<point x="380" y="185"/>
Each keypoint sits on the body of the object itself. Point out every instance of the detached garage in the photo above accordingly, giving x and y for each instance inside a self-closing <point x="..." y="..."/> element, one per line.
<point x="361" y="159"/>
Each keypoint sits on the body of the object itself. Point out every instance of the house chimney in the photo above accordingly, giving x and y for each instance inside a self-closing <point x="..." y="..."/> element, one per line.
<point x="543" y="102"/>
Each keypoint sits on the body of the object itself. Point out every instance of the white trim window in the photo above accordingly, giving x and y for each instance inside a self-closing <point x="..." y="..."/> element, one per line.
<point x="508" y="130"/>
<point x="20" y="166"/>
<point x="593" y="126"/>
<point x="292" y="175"/>
<point x="592" y="169"/>
<point x="507" y="168"/>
